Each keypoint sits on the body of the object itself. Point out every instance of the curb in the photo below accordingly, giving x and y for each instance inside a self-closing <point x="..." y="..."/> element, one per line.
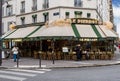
<point x="94" y="65"/>
<point x="1" y="67"/>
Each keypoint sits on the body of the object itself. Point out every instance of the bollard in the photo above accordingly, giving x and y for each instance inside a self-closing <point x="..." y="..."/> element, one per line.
<point x="53" y="57"/>
<point x="39" y="59"/>
<point x="17" y="61"/>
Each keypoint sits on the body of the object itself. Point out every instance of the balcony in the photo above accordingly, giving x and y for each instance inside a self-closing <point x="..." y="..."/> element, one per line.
<point x="22" y="10"/>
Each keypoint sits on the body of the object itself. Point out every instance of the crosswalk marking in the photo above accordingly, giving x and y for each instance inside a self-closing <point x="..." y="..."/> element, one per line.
<point x="44" y="69"/>
<point x="18" y="73"/>
<point x="12" y="77"/>
<point x="31" y="66"/>
<point x="31" y="71"/>
<point x="21" y="74"/>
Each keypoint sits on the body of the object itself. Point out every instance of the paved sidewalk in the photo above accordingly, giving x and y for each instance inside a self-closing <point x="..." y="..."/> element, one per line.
<point x="34" y="63"/>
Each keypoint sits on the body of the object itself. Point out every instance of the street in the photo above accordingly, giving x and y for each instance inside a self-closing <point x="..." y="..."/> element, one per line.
<point x="104" y="73"/>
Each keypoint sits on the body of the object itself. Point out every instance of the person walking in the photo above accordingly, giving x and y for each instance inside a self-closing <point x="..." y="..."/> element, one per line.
<point x="15" y="52"/>
<point x="119" y="47"/>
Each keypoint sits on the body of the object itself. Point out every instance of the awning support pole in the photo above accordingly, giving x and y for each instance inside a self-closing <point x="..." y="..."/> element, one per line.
<point x="40" y="52"/>
<point x="53" y="51"/>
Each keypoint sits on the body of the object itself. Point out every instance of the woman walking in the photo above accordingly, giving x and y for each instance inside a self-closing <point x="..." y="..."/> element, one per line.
<point x="15" y="52"/>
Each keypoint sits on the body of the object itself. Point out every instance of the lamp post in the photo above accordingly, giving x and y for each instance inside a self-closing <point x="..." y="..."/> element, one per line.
<point x="1" y="32"/>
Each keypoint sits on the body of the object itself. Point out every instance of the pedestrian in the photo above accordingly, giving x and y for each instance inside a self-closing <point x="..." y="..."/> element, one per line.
<point x="78" y="52"/>
<point x="15" y="51"/>
<point x="119" y="47"/>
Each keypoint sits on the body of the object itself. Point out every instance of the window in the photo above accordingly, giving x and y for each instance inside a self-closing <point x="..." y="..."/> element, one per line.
<point x="78" y="14"/>
<point x="22" y="7"/>
<point x="67" y="15"/>
<point x="22" y="20"/>
<point x="9" y="10"/>
<point x="46" y="16"/>
<point x="78" y="3"/>
<point x="88" y="15"/>
<point x="46" y="4"/>
<point x="34" y="18"/>
<point x="34" y="7"/>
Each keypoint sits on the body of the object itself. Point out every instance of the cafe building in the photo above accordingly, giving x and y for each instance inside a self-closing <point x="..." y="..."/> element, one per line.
<point x="57" y="39"/>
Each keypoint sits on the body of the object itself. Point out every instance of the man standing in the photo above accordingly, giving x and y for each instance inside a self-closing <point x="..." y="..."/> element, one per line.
<point x="78" y="52"/>
<point x="15" y="53"/>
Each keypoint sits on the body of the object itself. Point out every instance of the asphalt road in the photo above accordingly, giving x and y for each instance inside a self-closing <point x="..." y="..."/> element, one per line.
<point x="104" y="73"/>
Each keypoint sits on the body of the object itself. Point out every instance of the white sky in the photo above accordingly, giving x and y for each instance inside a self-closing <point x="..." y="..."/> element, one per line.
<point x="116" y="11"/>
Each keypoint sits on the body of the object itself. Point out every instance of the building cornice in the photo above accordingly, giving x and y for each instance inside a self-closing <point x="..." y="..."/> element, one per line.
<point x="9" y="16"/>
<point x="56" y="8"/>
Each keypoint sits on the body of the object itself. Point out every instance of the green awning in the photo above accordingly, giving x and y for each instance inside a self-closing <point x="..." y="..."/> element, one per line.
<point x="22" y="32"/>
<point x="7" y="34"/>
<point x="75" y="30"/>
<point x="96" y="31"/>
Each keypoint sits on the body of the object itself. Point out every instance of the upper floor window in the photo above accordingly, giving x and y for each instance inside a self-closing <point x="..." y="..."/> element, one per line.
<point x="46" y="16"/>
<point x="46" y="4"/>
<point x="22" y="20"/>
<point x="9" y="10"/>
<point x="22" y="7"/>
<point x="34" y="18"/>
<point x="78" y="14"/>
<point x="34" y="7"/>
<point x="67" y="15"/>
<point x="78" y="3"/>
<point x="88" y="15"/>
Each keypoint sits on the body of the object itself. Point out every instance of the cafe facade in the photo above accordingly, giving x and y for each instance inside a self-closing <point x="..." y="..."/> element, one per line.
<point x="57" y="39"/>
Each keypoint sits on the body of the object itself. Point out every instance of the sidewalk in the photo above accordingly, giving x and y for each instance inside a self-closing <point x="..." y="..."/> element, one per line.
<point x="34" y="63"/>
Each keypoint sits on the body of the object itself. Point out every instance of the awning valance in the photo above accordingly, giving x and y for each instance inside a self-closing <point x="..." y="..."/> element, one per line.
<point x="22" y="32"/>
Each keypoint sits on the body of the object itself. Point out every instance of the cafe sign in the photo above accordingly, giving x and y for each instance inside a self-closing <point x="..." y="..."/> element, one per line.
<point x="68" y="22"/>
<point x="84" y="21"/>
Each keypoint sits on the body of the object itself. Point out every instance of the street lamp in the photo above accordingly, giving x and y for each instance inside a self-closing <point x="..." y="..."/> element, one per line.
<point x="1" y="32"/>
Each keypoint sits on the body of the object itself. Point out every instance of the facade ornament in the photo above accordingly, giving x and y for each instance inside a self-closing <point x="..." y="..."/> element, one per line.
<point x="108" y="24"/>
<point x="12" y="26"/>
<point x="59" y="22"/>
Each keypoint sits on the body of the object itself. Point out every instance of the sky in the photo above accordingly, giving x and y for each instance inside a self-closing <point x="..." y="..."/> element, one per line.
<point x="116" y="12"/>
